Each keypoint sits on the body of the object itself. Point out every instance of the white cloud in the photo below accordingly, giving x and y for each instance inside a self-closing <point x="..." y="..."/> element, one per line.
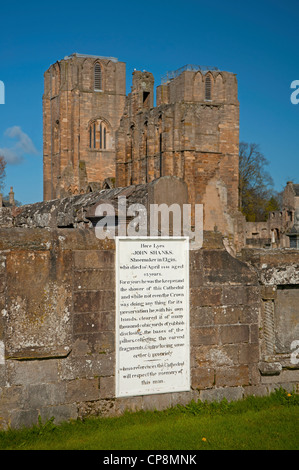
<point x="14" y="155"/>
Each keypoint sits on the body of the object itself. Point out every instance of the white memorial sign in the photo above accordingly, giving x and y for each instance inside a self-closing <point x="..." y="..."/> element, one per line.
<point x="152" y="315"/>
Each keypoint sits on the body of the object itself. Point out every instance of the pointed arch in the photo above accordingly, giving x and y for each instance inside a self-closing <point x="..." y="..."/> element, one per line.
<point x="99" y="134"/>
<point x="198" y="86"/>
<point x="97" y="77"/>
<point x="208" y="87"/>
<point x="219" y="89"/>
<point x="86" y="78"/>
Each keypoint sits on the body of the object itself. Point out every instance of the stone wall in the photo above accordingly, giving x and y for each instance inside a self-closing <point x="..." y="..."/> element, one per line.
<point x="278" y="274"/>
<point x="57" y="326"/>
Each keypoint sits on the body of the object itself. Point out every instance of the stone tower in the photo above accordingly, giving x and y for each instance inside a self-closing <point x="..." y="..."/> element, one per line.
<point x="192" y="133"/>
<point x="83" y="101"/>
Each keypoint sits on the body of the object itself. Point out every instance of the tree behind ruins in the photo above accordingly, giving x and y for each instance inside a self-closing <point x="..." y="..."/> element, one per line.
<point x="256" y="195"/>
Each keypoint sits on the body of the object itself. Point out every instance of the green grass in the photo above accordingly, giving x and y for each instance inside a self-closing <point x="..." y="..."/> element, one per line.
<point x="255" y="423"/>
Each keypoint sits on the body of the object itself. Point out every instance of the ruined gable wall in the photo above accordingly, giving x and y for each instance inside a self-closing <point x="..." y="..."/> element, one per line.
<point x="290" y="200"/>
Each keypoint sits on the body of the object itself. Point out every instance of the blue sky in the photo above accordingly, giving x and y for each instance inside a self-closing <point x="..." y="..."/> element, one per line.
<point x="257" y="40"/>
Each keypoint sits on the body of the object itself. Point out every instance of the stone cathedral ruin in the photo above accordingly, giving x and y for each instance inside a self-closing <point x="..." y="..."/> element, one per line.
<point x="93" y="326"/>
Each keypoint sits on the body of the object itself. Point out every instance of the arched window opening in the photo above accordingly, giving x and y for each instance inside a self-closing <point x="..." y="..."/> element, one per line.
<point x="98" y="135"/>
<point x="97" y="77"/>
<point x="104" y="139"/>
<point x="101" y="136"/>
<point x="208" y="88"/>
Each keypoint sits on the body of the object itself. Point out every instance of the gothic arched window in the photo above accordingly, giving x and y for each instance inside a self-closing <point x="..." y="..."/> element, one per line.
<point x="208" y="88"/>
<point x="98" y="135"/>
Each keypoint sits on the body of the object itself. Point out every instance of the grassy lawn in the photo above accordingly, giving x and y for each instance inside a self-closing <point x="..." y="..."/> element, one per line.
<point x="255" y="423"/>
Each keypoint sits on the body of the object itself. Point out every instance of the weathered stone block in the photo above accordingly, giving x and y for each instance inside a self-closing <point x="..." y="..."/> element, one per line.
<point x="94" y="280"/>
<point x="60" y="413"/>
<point x="102" y="343"/>
<point x="248" y="353"/>
<point x="203" y="316"/>
<point x="234" y="334"/>
<point x="253" y="295"/>
<point x="249" y="313"/>
<point x="93" y="365"/>
<point x="196" y="278"/>
<point x="107" y="321"/>
<point x="221" y="267"/>
<point x="269" y="292"/>
<point x="240" y="295"/>
<point x="131" y="404"/>
<point x="23" y="418"/>
<point x="254" y="333"/>
<point x="218" y="394"/>
<point x="86" y="302"/>
<point x="205" y="296"/>
<point x="41" y="395"/>
<point x="227" y="315"/>
<point x="105" y="342"/>
<point x="86" y="323"/>
<point x="157" y="402"/>
<point x="232" y="376"/>
<point x="94" y="322"/>
<point x="204" y="335"/>
<point x="233" y="295"/>
<point x="254" y="373"/>
<point x="255" y="390"/>
<point x="221" y="355"/>
<point x="12" y="397"/>
<point x="182" y="398"/>
<point x="107" y="387"/>
<point x="202" y="378"/>
<point x="94" y="259"/>
<point x="39" y="303"/>
<point x="270" y="368"/>
<point x="82" y="390"/>
<point x="80" y="347"/>
<point x="32" y="372"/>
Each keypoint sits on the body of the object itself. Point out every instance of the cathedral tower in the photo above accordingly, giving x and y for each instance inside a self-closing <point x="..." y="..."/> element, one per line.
<point x="83" y="101"/>
<point x="192" y="133"/>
